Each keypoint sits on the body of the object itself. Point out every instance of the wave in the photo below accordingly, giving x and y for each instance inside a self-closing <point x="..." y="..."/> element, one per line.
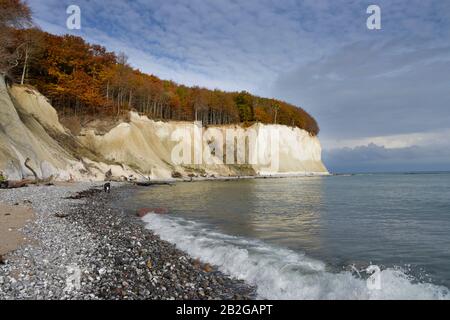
<point x="280" y="273"/>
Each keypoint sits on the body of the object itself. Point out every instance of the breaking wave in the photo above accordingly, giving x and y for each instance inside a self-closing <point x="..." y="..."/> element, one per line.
<point x="280" y="273"/>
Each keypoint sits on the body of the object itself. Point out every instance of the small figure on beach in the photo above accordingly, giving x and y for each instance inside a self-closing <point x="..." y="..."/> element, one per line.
<point x="107" y="187"/>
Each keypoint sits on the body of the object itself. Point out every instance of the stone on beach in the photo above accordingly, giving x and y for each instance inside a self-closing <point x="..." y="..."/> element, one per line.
<point x="207" y="267"/>
<point x="143" y="212"/>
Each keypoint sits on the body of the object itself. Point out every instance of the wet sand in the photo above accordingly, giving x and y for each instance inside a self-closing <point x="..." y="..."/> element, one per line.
<point x="12" y="219"/>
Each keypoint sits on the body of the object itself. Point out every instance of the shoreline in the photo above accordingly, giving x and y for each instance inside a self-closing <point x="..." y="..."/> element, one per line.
<point x="223" y="178"/>
<point x="77" y="227"/>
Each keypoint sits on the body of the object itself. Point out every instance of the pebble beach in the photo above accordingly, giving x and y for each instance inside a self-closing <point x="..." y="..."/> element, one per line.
<point x="77" y="229"/>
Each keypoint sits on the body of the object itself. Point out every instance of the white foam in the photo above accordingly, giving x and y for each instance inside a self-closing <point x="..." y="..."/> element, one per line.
<point x="281" y="273"/>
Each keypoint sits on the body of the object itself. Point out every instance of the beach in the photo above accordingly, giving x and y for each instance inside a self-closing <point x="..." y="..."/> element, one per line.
<point x="75" y="227"/>
<point x="13" y="218"/>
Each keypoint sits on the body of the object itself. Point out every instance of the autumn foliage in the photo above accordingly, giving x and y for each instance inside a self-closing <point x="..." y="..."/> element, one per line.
<point x="84" y="79"/>
<point x="14" y="14"/>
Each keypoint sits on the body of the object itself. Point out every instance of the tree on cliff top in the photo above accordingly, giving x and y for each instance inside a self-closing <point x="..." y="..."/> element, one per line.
<point x="82" y="80"/>
<point x="14" y="14"/>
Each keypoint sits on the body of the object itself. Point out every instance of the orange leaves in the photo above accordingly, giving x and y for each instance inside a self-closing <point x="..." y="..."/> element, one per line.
<point x="71" y="71"/>
<point x="14" y="13"/>
<point x="84" y="78"/>
<point x="262" y="116"/>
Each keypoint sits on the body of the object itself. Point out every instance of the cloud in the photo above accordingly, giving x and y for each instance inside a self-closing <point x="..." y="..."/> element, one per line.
<point x="238" y="44"/>
<point x="437" y="138"/>
<point x="374" y="158"/>
<point x="372" y="89"/>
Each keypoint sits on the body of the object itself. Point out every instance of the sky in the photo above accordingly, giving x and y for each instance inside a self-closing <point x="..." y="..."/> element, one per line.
<point x="381" y="97"/>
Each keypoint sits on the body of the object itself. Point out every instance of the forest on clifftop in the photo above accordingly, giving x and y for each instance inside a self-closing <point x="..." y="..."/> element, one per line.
<point x="82" y="79"/>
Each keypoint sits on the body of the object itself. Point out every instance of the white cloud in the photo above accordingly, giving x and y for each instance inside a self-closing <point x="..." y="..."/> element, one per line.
<point x="420" y="139"/>
<point x="374" y="158"/>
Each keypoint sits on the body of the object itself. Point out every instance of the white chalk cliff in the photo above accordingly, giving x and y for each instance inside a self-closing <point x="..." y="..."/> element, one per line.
<point x="143" y="148"/>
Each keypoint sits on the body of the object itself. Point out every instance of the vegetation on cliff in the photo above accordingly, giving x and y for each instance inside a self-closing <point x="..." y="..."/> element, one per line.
<point x="83" y="79"/>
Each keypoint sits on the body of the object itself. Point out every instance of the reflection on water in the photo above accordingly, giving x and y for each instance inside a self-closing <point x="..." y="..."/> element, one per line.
<point x="261" y="209"/>
<point x="295" y="219"/>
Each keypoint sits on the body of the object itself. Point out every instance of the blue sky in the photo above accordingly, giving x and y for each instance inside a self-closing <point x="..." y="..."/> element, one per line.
<point x="381" y="97"/>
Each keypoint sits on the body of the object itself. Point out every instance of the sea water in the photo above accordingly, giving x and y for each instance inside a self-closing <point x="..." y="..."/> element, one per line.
<point x="315" y="237"/>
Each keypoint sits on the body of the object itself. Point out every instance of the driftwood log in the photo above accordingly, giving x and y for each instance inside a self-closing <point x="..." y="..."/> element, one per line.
<point x="11" y="184"/>
<point x="37" y="180"/>
<point x="27" y="165"/>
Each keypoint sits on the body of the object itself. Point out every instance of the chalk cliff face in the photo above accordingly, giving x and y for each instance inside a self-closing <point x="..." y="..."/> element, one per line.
<point x="30" y="128"/>
<point x="23" y="136"/>
<point x="160" y="148"/>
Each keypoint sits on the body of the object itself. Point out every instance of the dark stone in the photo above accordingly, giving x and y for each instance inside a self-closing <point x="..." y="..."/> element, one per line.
<point x="143" y="212"/>
<point x="176" y="175"/>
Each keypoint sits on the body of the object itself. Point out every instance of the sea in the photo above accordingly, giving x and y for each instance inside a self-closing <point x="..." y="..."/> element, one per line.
<point x="355" y="236"/>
